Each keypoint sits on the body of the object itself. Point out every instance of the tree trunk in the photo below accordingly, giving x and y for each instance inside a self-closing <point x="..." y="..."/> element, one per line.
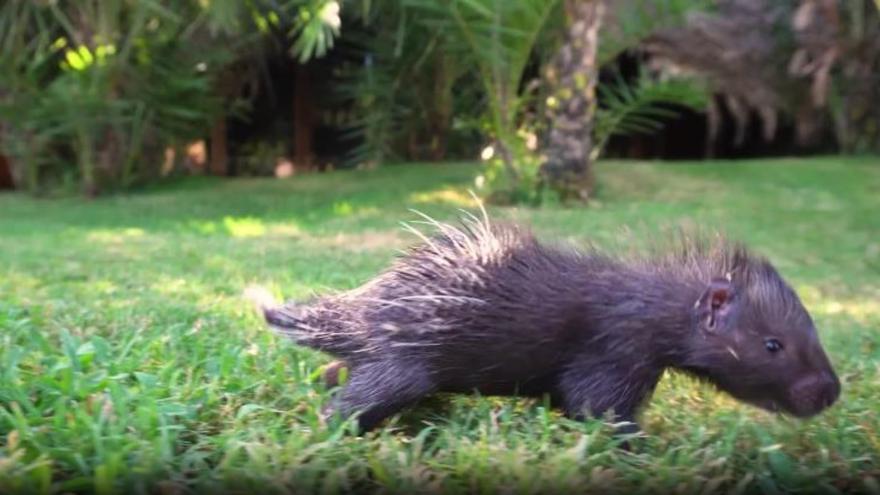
<point x="440" y="108"/>
<point x="303" y="121"/>
<point x="109" y="159"/>
<point x="6" y="181"/>
<point x="572" y="104"/>
<point x="85" y="153"/>
<point x="219" y="153"/>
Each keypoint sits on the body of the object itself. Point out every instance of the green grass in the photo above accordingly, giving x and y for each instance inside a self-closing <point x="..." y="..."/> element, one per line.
<point x="129" y="360"/>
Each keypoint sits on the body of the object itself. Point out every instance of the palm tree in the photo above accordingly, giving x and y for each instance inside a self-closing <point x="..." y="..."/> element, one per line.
<point x="498" y="37"/>
<point x="572" y="103"/>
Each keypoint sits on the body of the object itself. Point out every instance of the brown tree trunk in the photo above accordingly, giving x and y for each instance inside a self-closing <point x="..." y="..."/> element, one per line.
<point x="440" y="109"/>
<point x="219" y="154"/>
<point x="572" y="104"/>
<point x="303" y="121"/>
<point x="6" y="181"/>
<point x="109" y="159"/>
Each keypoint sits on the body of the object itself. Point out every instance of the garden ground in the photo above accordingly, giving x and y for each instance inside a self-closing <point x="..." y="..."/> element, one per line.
<point x="130" y="361"/>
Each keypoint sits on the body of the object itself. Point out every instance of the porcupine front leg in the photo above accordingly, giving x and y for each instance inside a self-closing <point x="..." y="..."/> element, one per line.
<point x="377" y="390"/>
<point x="592" y="389"/>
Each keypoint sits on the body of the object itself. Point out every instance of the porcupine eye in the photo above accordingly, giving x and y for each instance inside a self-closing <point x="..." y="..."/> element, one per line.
<point x="773" y="345"/>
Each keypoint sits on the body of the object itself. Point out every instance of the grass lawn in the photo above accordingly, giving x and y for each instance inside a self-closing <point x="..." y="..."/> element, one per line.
<point x="130" y="362"/>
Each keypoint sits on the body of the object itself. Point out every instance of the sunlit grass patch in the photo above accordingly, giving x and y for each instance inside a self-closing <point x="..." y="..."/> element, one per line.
<point x="451" y="196"/>
<point x="244" y="226"/>
<point x="864" y="311"/>
<point x="115" y="235"/>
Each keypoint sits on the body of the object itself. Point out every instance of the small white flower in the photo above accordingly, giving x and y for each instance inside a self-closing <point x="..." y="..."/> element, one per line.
<point x="487" y="153"/>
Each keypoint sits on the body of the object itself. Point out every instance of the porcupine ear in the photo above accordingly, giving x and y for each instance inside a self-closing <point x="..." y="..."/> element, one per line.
<point x="715" y="305"/>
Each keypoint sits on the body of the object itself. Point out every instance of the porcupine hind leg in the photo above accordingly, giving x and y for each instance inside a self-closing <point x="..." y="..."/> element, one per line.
<point x="331" y="374"/>
<point x="379" y="389"/>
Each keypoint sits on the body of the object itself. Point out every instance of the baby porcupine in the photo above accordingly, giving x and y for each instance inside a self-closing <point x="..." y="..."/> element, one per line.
<point x="486" y="307"/>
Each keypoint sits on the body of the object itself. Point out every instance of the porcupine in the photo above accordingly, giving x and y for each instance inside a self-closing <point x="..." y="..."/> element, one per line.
<point x="486" y="307"/>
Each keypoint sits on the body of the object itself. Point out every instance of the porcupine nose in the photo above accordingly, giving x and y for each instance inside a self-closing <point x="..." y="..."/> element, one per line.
<point x="830" y="391"/>
<point x="814" y="393"/>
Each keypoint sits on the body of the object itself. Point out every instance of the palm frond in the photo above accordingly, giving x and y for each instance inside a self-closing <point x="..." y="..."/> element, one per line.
<point x="635" y="20"/>
<point x="642" y="107"/>
<point x="316" y="29"/>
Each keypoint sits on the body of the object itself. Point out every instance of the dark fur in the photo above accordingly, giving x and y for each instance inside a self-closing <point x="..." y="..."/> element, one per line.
<point x="488" y="308"/>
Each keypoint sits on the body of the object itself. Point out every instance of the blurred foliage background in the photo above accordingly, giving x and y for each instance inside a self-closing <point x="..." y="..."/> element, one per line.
<point x="99" y="96"/>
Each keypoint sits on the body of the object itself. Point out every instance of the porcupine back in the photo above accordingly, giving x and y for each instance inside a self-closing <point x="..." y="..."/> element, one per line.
<point x="459" y="287"/>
